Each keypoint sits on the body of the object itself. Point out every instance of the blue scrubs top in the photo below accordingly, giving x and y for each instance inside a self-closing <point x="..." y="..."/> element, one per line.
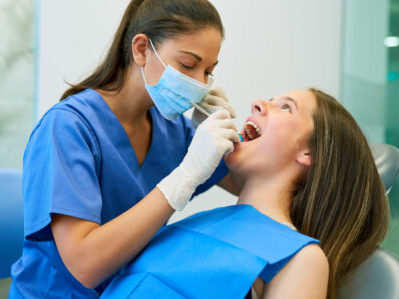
<point x="212" y="254"/>
<point x="79" y="162"/>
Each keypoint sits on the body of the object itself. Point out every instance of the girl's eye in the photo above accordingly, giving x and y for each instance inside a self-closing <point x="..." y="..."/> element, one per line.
<point x="286" y="107"/>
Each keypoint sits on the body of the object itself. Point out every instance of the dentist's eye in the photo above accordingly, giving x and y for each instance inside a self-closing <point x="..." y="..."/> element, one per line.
<point x="286" y="107"/>
<point x="189" y="67"/>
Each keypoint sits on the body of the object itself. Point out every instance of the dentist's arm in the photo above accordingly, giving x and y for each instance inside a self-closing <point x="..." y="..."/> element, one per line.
<point x="92" y="252"/>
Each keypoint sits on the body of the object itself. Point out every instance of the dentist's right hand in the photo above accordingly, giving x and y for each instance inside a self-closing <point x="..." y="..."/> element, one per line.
<point x="212" y="140"/>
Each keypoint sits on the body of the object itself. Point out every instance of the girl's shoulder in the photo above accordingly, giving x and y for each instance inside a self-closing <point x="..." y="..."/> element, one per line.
<point x="312" y="256"/>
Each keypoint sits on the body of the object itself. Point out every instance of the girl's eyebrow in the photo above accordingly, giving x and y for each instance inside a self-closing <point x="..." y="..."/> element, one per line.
<point x="289" y="99"/>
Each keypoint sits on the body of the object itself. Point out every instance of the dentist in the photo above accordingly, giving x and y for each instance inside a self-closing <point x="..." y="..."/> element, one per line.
<point x="107" y="166"/>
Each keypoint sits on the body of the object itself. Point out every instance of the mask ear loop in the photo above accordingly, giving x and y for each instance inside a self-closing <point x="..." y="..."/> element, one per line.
<point x="156" y="53"/>
<point x="159" y="57"/>
<point x="142" y="75"/>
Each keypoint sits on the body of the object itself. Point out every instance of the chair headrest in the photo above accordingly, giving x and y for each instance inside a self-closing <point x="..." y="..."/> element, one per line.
<point x="386" y="158"/>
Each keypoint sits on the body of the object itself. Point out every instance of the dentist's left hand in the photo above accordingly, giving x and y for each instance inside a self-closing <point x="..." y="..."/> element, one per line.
<point x="213" y="101"/>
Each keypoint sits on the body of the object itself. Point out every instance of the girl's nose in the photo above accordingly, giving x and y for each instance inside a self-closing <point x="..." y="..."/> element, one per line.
<point x="259" y="107"/>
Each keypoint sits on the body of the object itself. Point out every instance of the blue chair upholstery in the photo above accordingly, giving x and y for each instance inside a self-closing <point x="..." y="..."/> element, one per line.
<point x="11" y="219"/>
<point x="378" y="276"/>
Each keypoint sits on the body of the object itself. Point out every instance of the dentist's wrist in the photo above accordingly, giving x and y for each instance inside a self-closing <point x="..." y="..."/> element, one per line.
<point x="178" y="187"/>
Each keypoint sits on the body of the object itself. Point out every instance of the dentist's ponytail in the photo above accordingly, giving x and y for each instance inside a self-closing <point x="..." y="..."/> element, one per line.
<point x="158" y="19"/>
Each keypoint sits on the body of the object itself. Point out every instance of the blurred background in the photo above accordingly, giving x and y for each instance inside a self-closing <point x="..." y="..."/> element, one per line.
<point x="349" y="49"/>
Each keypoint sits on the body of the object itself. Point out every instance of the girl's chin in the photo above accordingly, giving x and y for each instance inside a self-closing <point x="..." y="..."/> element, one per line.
<point x="239" y="160"/>
<point x="229" y="159"/>
<point x="232" y="159"/>
<point x="233" y="162"/>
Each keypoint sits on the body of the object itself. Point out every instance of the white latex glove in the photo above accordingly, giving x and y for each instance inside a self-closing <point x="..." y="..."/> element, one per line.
<point x="213" y="100"/>
<point x="212" y="140"/>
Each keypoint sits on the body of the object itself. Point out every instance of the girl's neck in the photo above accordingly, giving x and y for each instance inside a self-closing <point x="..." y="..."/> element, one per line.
<point x="270" y="196"/>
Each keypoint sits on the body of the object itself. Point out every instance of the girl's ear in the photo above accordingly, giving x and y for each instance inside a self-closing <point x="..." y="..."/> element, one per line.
<point x="304" y="158"/>
<point x="139" y="49"/>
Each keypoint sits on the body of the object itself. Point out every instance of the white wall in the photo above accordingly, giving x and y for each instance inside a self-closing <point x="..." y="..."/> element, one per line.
<point x="270" y="47"/>
<point x="73" y="36"/>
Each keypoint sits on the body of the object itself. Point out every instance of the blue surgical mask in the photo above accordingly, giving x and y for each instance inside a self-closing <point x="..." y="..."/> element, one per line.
<point x="174" y="90"/>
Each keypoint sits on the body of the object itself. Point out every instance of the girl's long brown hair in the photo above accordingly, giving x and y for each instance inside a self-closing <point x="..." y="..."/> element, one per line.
<point x="341" y="200"/>
<point x="159" y="20"/>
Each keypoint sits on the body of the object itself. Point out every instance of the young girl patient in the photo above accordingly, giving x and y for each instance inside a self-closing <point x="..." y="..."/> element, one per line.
<point x="312" y="209"/>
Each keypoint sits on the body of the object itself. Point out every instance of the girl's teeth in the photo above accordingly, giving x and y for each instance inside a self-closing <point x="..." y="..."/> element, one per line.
<point x="248" y="130"/>
<point x="253" y="125"/>
<point x="249" y="133"/>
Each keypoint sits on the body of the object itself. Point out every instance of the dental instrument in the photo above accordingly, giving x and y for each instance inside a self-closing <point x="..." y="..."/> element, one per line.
<point x="207" y="114"/>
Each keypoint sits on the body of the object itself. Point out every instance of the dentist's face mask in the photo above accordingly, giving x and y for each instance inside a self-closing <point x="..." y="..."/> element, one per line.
<point x="174" y="90"/>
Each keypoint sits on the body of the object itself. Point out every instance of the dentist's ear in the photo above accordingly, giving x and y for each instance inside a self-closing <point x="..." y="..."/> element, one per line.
<point x="140" y="48"/>
<point x="304" y="158"/>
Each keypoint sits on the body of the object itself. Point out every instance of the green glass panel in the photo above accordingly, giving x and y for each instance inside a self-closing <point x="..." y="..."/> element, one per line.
<point x="392" y="118"/>
<point x="370" y="80"/>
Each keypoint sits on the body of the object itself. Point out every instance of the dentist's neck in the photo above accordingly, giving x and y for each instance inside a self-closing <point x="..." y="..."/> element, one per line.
<point x="132" y="102"/>
<point x="271" y="196"/>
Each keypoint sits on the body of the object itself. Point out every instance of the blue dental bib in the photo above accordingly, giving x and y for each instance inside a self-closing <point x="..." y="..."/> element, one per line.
<point x="212" y="254"/>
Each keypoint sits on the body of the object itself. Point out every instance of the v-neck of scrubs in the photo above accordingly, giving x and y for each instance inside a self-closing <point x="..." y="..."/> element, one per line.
<point x="151" y="142"/>
<point x="124" y="143"/>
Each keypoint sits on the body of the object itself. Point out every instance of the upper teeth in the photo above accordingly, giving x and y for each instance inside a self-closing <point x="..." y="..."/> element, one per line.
<point x="250" y="123"/>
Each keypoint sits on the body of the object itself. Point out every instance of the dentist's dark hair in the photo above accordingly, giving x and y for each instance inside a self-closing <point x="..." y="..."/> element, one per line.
<point x="341" y="200"/>
<point x="157" y="19"/>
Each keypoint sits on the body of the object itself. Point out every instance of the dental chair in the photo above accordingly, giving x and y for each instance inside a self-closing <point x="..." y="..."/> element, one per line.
<point x="378" y="276"/>
<point x="11" y="224"/>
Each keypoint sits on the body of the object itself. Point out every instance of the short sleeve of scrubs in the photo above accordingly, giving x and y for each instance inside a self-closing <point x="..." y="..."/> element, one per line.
<point x="60" y="166"/>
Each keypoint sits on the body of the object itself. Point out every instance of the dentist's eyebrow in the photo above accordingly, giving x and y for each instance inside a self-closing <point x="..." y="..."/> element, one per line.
<point x="192" y="54"/>
<point x="196" y="56"/>
<point x="289" y="99"/>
